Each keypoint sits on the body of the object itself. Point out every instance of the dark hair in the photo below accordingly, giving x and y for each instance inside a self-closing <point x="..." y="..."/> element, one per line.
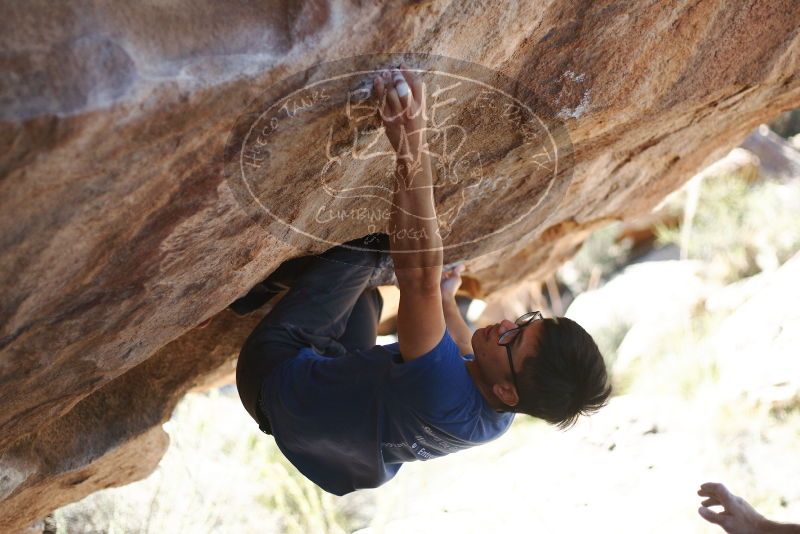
<point x="566" y="376"/>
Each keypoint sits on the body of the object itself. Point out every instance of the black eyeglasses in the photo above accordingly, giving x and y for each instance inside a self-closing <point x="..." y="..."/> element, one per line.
<point x="509" y="336"/>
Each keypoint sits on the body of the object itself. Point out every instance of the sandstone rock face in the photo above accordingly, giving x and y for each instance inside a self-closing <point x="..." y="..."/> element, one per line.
<point x="120" y="232"/>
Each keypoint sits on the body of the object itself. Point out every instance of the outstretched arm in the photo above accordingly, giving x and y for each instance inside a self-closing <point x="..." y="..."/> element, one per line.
<point x="413" y="230"/>
<point x="416" y="245"/>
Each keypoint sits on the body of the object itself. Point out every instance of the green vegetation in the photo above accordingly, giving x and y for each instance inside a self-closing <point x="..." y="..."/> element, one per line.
<point x="741" y="229"/>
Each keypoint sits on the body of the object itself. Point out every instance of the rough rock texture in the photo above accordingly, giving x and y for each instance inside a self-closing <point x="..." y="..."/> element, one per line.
<point x="118" y="232"/>
<point x="114" y="435"/>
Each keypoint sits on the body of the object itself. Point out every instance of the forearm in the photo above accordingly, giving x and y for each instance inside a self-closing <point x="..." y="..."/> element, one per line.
<point x="458" y="329"/>
<point x="772" y="527"/>
<point x="416" y="245"/>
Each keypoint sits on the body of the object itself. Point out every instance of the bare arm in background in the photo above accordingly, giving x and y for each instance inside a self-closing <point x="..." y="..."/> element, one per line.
<point x="458" y="329"/>
<point x="415" y="243"/>
<point x="737" y="517"/>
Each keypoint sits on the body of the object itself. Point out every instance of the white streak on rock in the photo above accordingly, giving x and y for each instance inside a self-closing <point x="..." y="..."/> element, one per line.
<point x="566" y="113"/>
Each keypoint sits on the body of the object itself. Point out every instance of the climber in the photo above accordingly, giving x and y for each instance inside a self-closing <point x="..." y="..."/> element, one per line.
<point x="347" y="412"/>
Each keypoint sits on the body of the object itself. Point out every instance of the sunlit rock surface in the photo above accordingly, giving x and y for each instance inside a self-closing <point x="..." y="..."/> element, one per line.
<point x="119" y="232"/>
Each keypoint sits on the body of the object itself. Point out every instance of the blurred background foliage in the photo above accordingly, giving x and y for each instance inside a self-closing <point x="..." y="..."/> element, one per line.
<point x="741" y="228"/>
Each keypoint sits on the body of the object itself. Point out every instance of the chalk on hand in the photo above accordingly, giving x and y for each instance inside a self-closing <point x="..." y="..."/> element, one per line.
<point x="402" y="89"/>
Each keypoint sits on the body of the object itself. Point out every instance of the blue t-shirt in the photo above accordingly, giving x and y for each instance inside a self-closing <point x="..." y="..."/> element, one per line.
<point x="349" y="422"/>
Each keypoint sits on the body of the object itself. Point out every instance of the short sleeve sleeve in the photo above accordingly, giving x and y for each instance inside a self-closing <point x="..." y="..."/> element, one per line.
<point x="434" y="384"/>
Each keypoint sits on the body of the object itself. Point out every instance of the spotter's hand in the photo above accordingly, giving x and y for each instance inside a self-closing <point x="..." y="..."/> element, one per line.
<point x="736" y="517"/>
